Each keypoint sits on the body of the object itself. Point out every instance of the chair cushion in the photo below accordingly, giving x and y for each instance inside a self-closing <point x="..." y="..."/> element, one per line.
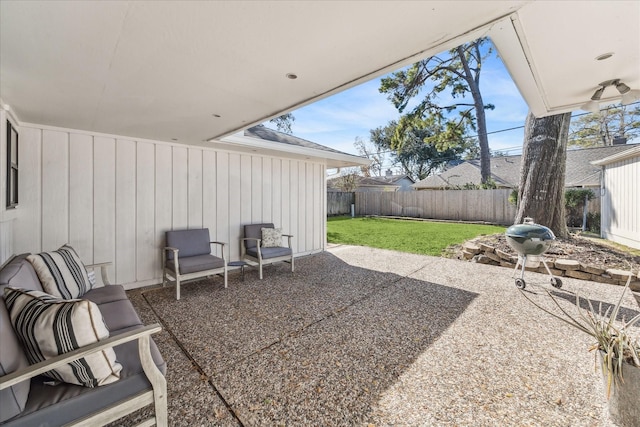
<point x="48" y="326"/>
<point x="271" y="237"/>
<point x="61" y="273"/>
<point x="254" y="231"/>
<point x="197" y="263"/>
<point x="268" y="253"/>
<point x="188" y="242"/>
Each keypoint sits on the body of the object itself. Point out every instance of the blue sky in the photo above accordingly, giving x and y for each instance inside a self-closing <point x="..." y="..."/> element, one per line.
<point x="336" y="121"/>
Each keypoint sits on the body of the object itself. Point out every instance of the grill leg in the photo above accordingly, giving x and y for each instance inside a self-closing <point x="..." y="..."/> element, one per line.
<point x="515" y="270"/>
<point x="524" y="263"/>
<point x="547" y="267"/>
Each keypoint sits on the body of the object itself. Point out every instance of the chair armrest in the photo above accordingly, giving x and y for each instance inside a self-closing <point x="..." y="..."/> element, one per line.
<point x="47" y="365"/>
<point x="289" y="237"/>
<point x="222" y="245"/>
<point x="244" y="248"/>
<point x="103" y="270"/>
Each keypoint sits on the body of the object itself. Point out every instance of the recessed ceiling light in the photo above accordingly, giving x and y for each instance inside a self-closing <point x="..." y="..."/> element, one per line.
<point x="292" y="76"/>
<point x="604" y="56"/>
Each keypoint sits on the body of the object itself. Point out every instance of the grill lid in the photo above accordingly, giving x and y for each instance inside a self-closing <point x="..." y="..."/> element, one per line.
<point x="530" y="231"/>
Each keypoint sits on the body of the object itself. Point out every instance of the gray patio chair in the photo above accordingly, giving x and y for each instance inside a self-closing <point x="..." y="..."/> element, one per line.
<point x="187" y="256"/>
<point x="254" y="251"/>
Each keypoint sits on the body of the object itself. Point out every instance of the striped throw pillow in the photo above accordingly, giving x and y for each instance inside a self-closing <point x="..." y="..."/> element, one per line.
<point x="61" y="273"/>
<point x="48" y="326"/>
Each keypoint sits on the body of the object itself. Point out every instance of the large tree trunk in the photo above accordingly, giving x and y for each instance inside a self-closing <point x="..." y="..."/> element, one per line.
<point x="541" y="191"/>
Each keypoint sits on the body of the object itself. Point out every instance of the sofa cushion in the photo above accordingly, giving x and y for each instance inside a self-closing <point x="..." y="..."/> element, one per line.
<point x="47" y="327"/>
<point x="197" y="263"/>
<point x="64" y="403"/>
<point x="61" y="273"/>
<point x="17" y="272"/>
<point x="119" y="314"/>
<point x="188" y="242"/>
<point x="254" y="231"/>
<point x="271" y="237"/>
<point x="105" y="294"/>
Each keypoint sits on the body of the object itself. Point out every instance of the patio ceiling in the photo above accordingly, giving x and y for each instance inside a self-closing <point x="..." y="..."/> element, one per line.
<point x="167" y="70"/>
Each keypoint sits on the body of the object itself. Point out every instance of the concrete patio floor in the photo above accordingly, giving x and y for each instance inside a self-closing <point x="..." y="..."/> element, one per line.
<point x="362" y="336"/>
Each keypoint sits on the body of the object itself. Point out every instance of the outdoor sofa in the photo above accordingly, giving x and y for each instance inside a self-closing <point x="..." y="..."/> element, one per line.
<point x="27" y="398"/>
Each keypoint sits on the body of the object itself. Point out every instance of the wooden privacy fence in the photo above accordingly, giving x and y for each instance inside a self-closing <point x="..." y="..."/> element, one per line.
<point x="339" y="203"/>
<point x="460" y="205"/>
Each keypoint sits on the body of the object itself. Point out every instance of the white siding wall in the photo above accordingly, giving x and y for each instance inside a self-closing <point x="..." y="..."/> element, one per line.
<point x="7" y="216"/>
<point x="621" y="202"/>
<point x="113" y="198"/>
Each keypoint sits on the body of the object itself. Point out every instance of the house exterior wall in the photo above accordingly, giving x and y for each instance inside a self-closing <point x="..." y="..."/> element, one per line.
<point x="7" y="216"/>
<point x="620" y="215"/>
<point x="113" y="198"/>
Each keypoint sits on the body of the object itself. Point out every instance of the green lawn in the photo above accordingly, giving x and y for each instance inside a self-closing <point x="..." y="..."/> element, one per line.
<point x="418" y="237"/>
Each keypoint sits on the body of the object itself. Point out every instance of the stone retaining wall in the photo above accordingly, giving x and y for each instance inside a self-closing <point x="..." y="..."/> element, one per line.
<point x="560" y="267"/>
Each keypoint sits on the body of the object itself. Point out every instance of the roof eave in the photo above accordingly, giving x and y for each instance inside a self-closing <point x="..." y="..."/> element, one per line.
<point x="623" y="155"/>
<point x="333" y="159"/>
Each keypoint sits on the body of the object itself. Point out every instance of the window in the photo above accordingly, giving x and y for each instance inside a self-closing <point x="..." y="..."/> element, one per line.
<point x="12" y="166"/>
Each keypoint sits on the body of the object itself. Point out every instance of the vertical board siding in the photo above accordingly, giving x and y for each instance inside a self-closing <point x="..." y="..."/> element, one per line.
<point x="620" y="220"/>
<point x="163" y="196"/>
<point x="55" y="189"/>
<point x="195" y="188"/>
<point x="29" y="226"/>
<point x="125" y="211"/>
<point x="223" y="205"/>
<point x="104" y="201"/>
<point x="81" y="195"/>
<point x="147" y="261"/>
<point x="209" y="197"/>
<point x="180" y="182"/>
<point x="114" y="198"/>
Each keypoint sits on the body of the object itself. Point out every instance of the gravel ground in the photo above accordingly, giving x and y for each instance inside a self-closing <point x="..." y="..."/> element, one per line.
<point x="362" y="336"/>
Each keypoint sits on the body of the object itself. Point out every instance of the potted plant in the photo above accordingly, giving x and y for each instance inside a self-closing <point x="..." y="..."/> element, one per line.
<point x="618" y="350"/>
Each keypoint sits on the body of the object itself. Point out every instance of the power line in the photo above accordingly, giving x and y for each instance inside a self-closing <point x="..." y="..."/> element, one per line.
<point x="515" y="128"/>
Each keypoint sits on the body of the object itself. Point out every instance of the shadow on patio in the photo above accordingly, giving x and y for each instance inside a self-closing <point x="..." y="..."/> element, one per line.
<point x="360" y="335"/>
<point x="318" y="346"/>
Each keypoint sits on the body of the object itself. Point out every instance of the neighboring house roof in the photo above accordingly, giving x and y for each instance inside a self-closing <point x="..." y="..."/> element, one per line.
<point x="394" y="179"/>
<point x="505" y="170"/>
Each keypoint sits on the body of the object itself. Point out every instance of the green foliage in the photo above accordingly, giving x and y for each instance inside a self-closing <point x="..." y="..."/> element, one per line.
<point x="598" y="129"/>
<point x="418" y="155"/>
<point x="574" y="197"/>
<point x="513" y="197"/>
<point x="593" y="222"/>
<point x="489" y="185"/>
<point x="453" y="75"/>
<point x="418" y="237"/>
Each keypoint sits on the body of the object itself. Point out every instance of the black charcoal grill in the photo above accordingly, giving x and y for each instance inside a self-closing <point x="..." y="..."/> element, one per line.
<point x="527" y="239"/>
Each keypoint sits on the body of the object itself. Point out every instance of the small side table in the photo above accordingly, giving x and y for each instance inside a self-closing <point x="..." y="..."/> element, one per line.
<point x="240" y="264"/>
